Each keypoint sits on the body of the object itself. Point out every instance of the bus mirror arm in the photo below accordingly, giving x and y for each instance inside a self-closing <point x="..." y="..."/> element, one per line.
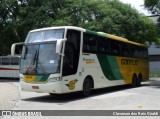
<point x="23" y="52"/>
<point x="59" y="46"/>
<point x="13" y="48"/>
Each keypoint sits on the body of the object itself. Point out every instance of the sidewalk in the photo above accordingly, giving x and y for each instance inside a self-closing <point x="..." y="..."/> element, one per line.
<point x="9" y="95"/>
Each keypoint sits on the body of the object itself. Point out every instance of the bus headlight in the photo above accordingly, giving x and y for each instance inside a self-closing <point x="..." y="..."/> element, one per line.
<point x="53" y="79"/>
<point x="21" y="78"/>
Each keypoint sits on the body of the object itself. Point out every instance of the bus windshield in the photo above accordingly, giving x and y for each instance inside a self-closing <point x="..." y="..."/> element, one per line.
<point x="45" y="35"/>
<point x="40" y="59"/>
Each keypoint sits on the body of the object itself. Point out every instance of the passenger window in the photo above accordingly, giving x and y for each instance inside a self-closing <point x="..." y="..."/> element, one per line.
<point x="5" y="61"/>
<point x="103" y="45"/>
<point x="89" y="43"/>
<point x="115" y="48"/>
<point x="14" y="61"/>
<point x="124" y="50"/>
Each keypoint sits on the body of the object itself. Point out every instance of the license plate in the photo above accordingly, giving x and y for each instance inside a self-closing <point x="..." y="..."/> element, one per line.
<point x="35" y="87"/>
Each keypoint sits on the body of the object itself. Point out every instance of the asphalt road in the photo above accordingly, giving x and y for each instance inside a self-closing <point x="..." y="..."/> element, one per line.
<point x="145" y="97"/>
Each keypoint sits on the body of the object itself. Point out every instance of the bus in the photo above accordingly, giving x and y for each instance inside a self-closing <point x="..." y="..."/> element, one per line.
<point x="66" y="59"/>
<point x="9" y="67"/>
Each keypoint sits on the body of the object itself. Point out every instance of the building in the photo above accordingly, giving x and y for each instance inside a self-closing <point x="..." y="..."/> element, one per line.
<point x="154" y="57"/>
<point x="154" y="54"/>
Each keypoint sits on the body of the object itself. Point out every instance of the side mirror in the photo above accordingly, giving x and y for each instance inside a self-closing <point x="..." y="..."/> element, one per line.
<point x="13" y="48"/>
<point x="59" y="46"/>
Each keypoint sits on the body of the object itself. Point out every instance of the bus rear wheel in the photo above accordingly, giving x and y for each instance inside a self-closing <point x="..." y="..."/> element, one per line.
<point x="139" y="79"/>
<point x="134" y="81"/>
<point x="87" y="87"/>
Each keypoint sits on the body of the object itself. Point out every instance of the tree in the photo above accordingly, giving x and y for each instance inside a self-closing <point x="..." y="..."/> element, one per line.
<point x="17" y="17"/>
<point x="8" y="33"/>
<point x="112" y="17"/>
<point x="153" y="6"/>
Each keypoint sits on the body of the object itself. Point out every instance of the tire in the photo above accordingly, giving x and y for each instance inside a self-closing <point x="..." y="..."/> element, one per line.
<point x="86" y="87"/>
<point x="134" y="81"/>
<point x="52" y="94"/>
<point x="139" y="79"/>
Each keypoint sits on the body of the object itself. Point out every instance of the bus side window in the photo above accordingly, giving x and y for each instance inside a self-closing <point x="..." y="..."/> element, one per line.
<point x="89" y="43"/>
<point x="145" y="51"/>
<point x="103" y="45"/>
<point x="86" y="44"/>
<point x="86" y="48"/>
<point x="131" y="51"/>
<point x="5" y="61"/>
<point x="14" y="61"/>
<point x="115" y="48"/>
<point x="124" y="50"/>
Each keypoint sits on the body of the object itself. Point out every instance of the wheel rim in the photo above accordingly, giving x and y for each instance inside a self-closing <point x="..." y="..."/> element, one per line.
<point x="87" y="88"/>
<point x="139" y="81"/>
<point x="134" y="81"/>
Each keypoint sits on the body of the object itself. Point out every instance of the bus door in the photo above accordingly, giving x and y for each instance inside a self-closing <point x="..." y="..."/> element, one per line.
<point x="71" y="61"/>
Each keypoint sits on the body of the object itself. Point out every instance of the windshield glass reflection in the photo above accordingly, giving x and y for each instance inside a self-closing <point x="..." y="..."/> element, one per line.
<point x="40" y="59"/>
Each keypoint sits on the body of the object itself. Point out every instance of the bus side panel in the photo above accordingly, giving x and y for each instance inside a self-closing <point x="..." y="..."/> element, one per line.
<point x="9" y="71"/>
<point x="90" y="67"/>
<point x="71" y="83"/>
<point x="110" y="67"/>
<point x="103" y="69"/>
<point x="122" y="68"/>
<point x="130" y="66"/>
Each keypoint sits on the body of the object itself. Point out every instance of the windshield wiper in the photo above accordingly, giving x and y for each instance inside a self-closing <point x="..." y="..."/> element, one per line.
<point x="36" y="59"/>
<point x="31" y="68"/>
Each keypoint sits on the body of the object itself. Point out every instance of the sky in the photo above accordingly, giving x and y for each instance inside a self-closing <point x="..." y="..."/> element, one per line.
<point x="137" y="4"/>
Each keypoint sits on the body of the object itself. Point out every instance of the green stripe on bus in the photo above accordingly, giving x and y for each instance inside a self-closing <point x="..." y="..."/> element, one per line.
<point x="41" y="78"/>
<point x="96" y="33"/>
<point x="110" y="67"/>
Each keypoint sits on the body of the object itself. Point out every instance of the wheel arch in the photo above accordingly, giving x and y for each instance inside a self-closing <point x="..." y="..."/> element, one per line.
<point x="91" y="79"/>
<point x="134" y="75"/>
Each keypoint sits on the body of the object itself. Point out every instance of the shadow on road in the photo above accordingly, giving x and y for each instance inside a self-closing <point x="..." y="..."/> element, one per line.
<point x="153" y="82"/>
<point x="64" y="98"/>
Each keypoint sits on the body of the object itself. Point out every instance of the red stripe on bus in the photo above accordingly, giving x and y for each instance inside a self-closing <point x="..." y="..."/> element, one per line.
<point x="8" y="69"/>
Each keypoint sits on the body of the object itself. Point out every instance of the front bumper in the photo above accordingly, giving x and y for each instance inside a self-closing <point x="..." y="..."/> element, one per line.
<point x="53" y="87"/>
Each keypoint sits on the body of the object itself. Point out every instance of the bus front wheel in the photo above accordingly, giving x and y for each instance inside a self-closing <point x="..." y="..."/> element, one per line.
<point x="52" y="94"/>
<point x="87" y="87"/>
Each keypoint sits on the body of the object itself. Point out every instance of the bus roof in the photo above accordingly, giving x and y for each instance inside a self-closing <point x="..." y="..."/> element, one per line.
<point x="91" y="32"/>
<point x="114" y="37"/>
<point x="59" y="27"/>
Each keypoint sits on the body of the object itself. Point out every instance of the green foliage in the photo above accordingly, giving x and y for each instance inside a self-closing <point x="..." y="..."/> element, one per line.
<point x="8" y="33"/>
<point x="17" y="17"/>
<point x="154" y="75"/>
<point x="153" y="6"/>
